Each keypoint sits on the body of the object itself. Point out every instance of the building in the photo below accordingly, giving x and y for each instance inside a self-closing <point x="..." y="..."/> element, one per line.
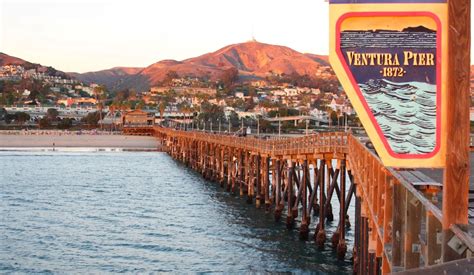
<point x="138" y="118"/>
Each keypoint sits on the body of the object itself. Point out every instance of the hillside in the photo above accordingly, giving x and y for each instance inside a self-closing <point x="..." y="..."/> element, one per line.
<point x="112" y="78"/>
<point x="6" y="59"/>
<point x="251" y="59"/>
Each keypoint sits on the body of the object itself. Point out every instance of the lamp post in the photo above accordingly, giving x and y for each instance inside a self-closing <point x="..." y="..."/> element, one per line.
<point x="279" y="127"/>
<point x="307" y="124"/>
<point x="210" y="128"/>
<point x="219" y="120"/>
<point x="258" y="127"/>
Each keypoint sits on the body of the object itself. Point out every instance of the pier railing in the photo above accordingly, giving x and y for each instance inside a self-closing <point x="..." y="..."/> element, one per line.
<point x="333" y="142"/>
<point x="398" y="212"/>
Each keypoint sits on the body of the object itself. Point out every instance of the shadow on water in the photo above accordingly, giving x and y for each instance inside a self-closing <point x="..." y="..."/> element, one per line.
<point x="272" y="238"/>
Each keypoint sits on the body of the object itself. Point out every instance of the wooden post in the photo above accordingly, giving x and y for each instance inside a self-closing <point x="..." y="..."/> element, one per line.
<point x="278" y="208"/>
<point x="320" y="234"/>
<point x="304" y="228"/>
<point x="290" y="220"/>
<point x="341" y="246"/>
<point x="242" y="173"/>
<point x="258" y="200"/>
<point x="412" y="231"/>
<point x="456" y="174"/>
<point x="266" y="182"/>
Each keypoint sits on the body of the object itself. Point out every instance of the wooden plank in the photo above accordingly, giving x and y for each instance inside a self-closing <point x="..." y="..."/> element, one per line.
<point x="433" y="250"/>
<point x="398" y="233"/>
<point x="425" y="179"/>
<point x="412" y="231"/>
<point x="456" y="173"/>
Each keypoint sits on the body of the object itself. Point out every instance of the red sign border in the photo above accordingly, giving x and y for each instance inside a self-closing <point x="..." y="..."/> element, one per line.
<point x="361" y="97"/>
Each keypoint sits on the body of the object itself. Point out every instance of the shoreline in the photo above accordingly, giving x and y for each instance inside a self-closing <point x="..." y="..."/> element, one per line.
<point x="62" y="141"/>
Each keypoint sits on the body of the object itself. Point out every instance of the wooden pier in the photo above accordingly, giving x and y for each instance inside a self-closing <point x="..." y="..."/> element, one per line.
<point x="398" y="214"/>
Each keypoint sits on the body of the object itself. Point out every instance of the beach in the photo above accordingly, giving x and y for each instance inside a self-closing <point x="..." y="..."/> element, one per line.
<point x="59" y="139"/>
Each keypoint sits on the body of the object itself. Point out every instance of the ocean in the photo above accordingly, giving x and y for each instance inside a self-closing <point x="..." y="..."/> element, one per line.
<point x="129" y="212"/>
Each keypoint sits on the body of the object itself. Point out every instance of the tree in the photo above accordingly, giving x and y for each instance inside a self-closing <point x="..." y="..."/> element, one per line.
<point x="52" y="114"/>
<point x="334" y="118"/>
<point x="92" y="118"/>
<point x="162" y="107"/>
<point x="229" y="77"/>
<point x="211" y="112"/>
<point x="65" y="123"/>
<point x="44" y="123"/>
<point x="140" y="105"/>
<point x="234" y="119"/>
<point x="170" y="75"/>
<point x="22" y="117"/>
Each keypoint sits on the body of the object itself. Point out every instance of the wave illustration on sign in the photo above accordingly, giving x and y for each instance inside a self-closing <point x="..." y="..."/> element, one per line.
<point x="405" y="112"/>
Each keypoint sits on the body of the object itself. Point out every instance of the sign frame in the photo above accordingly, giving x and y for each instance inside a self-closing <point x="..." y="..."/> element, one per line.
<point x="438" y="13"/>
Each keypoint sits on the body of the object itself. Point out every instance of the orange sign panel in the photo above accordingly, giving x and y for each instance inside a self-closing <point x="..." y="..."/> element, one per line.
<point x="390" y="61"/>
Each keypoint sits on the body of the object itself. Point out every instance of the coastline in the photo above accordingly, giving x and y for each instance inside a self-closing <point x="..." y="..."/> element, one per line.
<point x="68" y="141"/>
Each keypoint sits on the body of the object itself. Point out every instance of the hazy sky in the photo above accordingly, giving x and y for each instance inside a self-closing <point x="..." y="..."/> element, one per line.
<point x="87" y="35"/>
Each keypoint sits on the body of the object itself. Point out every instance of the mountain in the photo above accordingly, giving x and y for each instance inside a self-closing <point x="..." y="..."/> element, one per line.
<point x="251" y="59"/>
<point x="6" y="59"/>
<point x="418" y="29"/>
<point x="112" y="78"/>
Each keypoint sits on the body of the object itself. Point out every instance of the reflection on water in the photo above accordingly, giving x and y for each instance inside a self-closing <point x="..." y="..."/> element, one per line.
<point x="137" y="212"/>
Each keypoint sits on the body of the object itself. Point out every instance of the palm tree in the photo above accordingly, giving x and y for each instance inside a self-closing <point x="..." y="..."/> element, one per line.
<point x="112" y="109"/>
<point x="162" y="106"/>
<point x="99" y="96"/>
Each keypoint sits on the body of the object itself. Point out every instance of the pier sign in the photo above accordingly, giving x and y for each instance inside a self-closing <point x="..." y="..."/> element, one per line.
<point x="389" y="57"/>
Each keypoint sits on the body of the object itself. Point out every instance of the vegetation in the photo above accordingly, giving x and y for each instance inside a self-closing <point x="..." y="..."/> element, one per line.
<point x="92" y="119"/>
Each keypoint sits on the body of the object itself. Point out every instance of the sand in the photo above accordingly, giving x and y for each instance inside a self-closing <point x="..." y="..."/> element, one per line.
<point x="84" y="140"/>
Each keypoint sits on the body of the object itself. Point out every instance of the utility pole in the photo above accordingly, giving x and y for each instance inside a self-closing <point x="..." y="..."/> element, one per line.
<point x="456" y="172"/>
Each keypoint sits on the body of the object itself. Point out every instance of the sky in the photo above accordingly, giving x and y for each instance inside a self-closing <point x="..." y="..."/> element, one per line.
<point x="88" y="35"/>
